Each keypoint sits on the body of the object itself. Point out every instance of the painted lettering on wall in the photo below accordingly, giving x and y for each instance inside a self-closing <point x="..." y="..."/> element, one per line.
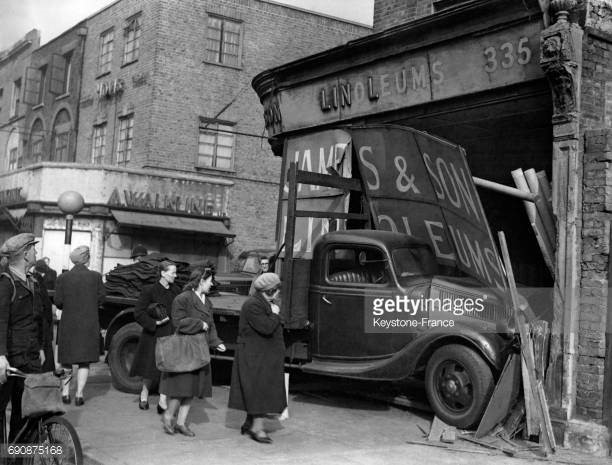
<point x="110" y="89"/>
<point x="211" y="203"/>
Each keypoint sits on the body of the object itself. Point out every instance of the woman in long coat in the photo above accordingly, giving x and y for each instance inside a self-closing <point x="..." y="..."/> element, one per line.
<point x="258" y="383"/>
<point x="152" y="312"/>
<point x="191" y="314"/>
<point x="79" y="293"/>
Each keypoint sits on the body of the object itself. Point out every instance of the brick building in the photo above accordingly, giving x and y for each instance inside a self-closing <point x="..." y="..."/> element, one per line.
<point x="518" y="85"/>
<point x="164" y="132"/>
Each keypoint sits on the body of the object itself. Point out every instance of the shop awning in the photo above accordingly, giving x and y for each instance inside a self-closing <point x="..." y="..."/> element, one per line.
<point x="170" y="222"/>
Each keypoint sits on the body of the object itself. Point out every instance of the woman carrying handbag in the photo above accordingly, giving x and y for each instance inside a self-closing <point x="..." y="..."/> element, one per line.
<point x="191" y="314"/>
<point x="152" y="312"/>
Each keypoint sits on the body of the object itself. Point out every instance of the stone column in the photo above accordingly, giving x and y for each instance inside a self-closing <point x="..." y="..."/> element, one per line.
<point x="561" y="59"/>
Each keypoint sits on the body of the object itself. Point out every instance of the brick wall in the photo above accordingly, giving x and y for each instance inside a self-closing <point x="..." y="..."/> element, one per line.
<point x="177" y="86"/>
<point x="389" y="13"/>
<point x="596" y="102"/>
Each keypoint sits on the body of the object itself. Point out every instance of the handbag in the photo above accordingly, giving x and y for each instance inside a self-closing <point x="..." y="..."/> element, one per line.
<point x="41" y="395"/>
<point x="181" y="353"/>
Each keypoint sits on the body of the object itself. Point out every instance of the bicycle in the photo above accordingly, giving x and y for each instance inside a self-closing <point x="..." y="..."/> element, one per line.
<point x="43" y="439"/>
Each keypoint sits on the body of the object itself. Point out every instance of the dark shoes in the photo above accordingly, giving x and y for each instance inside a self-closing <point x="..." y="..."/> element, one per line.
<point x="184" y="430"/>
<point x="259" y="436"/>
<point x="143" y="405"/>
<point x="160" y="409"/>
<point x="66" y="399"/>
<point x="78" y="401"/>
<point x="167" y="425"/>
<point x="245" y="428"/>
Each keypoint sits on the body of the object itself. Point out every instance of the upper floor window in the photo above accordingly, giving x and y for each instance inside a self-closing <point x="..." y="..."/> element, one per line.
<point x="215" y="145"/>
<point x="61" y="70"/>
<point x="98" y="150"/>
<point x="12" y="151"/>
<point x="36" y="141"/>
<point x="126" y="134"/>
<point x="61" y="137"/>
<point x="131" y="34"/>
<point x="35" y="85"/>
<point x="223" y="41"/>
<point x="106" y="51"/>
<point x="15" y="98"/>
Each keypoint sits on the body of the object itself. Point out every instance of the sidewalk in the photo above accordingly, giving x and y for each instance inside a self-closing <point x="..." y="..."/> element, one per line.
<point x="321" y="430"/>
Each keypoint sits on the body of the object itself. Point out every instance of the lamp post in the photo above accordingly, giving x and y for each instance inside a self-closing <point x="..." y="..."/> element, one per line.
<point x="70" y="203"/>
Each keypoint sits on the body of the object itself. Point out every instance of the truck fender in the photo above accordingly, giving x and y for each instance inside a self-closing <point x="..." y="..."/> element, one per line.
<point x="491" y="347"/>
<point x="122" y="318"/>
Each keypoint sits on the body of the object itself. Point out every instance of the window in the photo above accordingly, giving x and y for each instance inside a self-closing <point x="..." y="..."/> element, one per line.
<point x="61" y="71"/>
<point x="106" y="51"/>
<point x="215" y="145"/>
<point x="131" y="34"/>
<point x="41" y="85"/>
<point x="357" y="266"/>
<point x="223" y="41"/>
<point x="61" y="137"/>
<point x="15" y="99"/>
<point x="67" y="71"/>
<point x="126" y="133"/>
<point x="99" y="144"/>
<point x="36" y="142"/>
<point x="13" y="159"/>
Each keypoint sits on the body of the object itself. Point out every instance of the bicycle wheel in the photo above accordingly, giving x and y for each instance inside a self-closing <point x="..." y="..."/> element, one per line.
<point x="58" y="432"/>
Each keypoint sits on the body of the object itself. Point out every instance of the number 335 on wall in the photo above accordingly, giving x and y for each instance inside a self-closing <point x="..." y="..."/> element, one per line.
<point x="507" y="55"/>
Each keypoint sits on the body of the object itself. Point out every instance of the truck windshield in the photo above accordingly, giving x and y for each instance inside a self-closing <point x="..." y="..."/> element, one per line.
<point x="414" y="261"/>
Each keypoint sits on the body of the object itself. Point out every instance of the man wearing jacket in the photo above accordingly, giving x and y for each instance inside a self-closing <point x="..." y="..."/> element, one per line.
<point x="21" y="324"/>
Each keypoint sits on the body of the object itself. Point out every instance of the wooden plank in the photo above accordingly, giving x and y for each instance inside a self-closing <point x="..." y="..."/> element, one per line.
<point x="547" y="436"/>
<point x="436" y="430"/>
<point x="545" y="187"/>
<point x="514" y="420"/>
<point x="542" y="207"/>
<point x="287" y="292"/>
<point x="504" y="396"/>
<point x="540" y="337"/>
<point x="326" y="180"/>
<point x="532" y="425"/>
<point x="331" y="215"/>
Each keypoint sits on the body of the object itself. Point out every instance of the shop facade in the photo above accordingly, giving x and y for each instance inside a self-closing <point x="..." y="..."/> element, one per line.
<point x="518" y="86"/>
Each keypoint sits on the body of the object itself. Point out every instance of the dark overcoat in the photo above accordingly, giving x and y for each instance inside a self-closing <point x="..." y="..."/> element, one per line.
<point x="144" y="359"/>
<point x="188" y="313"/>
<point x="258" y="382"/>
<point x="79" y="293"/>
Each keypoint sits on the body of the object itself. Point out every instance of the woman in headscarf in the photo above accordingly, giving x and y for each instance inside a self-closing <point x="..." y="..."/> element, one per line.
<point x="258" y="382"/>
<point x="152" y="312"/>
<point x="79" y="293"/>
<point x="192" y="313"/>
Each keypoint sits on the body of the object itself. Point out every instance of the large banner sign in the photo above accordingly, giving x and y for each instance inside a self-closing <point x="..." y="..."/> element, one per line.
<point x="316" y="153"/>
<point x="422" y="186"/>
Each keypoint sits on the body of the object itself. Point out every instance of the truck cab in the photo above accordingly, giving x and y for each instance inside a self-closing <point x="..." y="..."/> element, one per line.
<point x="357" y="277"/>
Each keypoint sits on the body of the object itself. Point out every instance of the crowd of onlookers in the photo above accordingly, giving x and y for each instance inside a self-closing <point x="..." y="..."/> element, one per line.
<point x="27" y="335"/>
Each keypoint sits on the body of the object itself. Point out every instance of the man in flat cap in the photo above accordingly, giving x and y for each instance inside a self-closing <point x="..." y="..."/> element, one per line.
<point x="21" y="325"/>
<point x="78" y="293"/>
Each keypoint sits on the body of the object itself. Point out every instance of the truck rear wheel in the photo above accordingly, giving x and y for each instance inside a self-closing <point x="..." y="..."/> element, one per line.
<point x="120" y="358"/>
<point x="459" y="384"/>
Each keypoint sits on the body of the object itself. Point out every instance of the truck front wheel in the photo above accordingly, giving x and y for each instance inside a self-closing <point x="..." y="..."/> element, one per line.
<point x="120" y="358"/>
<point x="459" y="384"/>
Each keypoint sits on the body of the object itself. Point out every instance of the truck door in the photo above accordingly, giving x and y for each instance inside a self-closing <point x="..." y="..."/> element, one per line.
<point x="351" y="273"/>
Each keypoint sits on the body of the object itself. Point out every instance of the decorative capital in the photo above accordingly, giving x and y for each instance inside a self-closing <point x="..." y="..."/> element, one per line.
<point x="559" y="9"/>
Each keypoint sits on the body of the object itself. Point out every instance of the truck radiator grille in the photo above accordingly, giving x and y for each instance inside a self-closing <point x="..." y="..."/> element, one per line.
<point x="492" y="311"/>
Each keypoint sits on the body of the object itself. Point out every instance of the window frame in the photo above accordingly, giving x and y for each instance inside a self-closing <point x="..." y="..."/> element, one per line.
<point x="210" y="127"/>
<point x="40" y="99"/>
<point x="217" y="56"/>
<point x="13" y="159"/>
<point x="133" y="23"/>
<point x="356" y="249"/>
<point x="125" y="152"/>
<point x="15" y="98"/>
<point x="105" y="51"/>
<point x="97" y="158"/>
<point x="37" y="139"/>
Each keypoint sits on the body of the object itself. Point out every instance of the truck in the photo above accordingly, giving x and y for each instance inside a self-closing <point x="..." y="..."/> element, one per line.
<point x="364" y="303"/>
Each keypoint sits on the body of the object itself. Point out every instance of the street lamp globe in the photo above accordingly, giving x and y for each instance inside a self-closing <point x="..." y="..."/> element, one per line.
<point x="70" y="202"/>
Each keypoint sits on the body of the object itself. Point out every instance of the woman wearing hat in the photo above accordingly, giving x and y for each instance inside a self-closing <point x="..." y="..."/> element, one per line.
<point x="258" y="383"/>
<point x="152" y="312"/>
<point x="79" y="293"/>
<point x="191" y="314"/>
